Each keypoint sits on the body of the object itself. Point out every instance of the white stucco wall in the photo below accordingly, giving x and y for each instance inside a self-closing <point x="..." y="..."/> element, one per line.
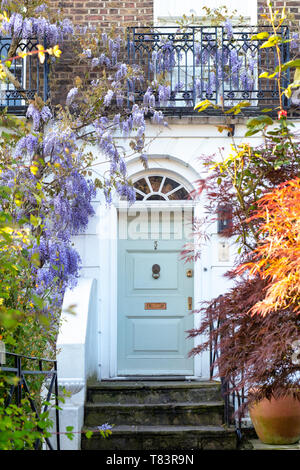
<point x="178" y="149"/>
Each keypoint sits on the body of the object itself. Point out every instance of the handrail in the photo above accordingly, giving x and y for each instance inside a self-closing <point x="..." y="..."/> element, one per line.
<point x="16" y="391"/>
<point x="233" y="399"/>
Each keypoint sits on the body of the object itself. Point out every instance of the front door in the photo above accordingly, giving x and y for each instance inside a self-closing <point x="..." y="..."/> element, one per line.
<point x="154" y="308"/>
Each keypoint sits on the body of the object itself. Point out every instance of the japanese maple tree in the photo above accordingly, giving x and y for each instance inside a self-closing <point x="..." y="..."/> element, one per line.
<point x="277" y="256"/>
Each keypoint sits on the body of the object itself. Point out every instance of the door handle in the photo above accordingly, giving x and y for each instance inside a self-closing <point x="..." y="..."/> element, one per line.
<point x="190" y="303"/>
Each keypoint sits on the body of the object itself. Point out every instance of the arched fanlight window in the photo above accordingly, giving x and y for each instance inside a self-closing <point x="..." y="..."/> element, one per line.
<point x="159" y="188"/>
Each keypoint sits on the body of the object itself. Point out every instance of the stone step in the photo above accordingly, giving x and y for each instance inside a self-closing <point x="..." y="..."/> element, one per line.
<point x="150" y="392"/>
<point x="163" y="438"/>
<point x="200" y="414"/>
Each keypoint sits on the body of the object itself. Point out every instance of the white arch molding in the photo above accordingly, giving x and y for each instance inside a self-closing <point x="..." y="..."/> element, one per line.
<point x="185" y="174"/>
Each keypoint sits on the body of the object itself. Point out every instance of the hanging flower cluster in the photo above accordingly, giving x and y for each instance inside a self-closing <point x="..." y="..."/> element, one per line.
<point x="40" y="27"/>
<point x="123" y="109"/>
<point x="49" y="166"/>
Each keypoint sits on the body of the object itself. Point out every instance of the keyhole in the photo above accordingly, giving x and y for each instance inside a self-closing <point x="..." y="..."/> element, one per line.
<point x="155" y="245"/>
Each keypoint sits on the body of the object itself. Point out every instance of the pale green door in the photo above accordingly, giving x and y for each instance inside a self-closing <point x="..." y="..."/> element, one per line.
<point x="154" y="312"/>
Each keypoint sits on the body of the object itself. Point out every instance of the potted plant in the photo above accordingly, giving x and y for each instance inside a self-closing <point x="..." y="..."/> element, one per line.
<point x="259" y="323"/>
<point x="256" y="325"/>
<point x="276" y="259"/>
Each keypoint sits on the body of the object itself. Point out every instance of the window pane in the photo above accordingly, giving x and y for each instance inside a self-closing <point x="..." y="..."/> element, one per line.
<point x="138" y="196"/>
<point x="178" y="195"/>
<point x="155" y="197"/>
<point x="169" y="185"/>
<point x="142" y="185"/>
<point x="155" y="182"/>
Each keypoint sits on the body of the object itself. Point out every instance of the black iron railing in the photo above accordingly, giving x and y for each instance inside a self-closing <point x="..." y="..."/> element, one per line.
<point x="233" y="399"/>
<point x="32" y="76"/>
<point x="23" y="367"/>
<point x="205" y="62"/>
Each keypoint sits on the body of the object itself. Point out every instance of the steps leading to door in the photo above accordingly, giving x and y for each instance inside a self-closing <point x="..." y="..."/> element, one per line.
<point x="152" y="415"/>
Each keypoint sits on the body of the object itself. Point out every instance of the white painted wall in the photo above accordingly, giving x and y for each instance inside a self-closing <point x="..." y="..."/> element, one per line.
<point x="176" y="150"/>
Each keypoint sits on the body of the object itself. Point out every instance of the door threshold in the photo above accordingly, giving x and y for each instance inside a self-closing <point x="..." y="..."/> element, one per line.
<point x="156" y="378"/>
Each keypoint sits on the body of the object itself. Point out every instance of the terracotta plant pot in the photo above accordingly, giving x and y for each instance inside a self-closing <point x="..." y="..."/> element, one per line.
<point x="277" y="421"/>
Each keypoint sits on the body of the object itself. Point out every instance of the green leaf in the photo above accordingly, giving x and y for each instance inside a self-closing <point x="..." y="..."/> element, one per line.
<point x="266" y="120"/>
<point x="35" y="221"/>
<point x="38" y="302"/>
<point x="88" y="434"/>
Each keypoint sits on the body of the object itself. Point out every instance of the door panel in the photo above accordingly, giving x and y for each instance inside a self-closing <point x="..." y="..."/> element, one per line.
<point x="153" y="314"/>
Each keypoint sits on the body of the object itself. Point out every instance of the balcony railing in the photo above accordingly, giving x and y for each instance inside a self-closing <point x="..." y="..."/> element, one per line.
<point x="30" y="73"/>
<point x="207" y="63"/>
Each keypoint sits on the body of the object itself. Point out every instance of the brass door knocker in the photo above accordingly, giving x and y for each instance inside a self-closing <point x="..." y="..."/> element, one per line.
<point x="155" y="271"/>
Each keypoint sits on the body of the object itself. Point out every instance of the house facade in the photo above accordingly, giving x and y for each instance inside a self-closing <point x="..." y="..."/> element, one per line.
<point x="142" y="316"/>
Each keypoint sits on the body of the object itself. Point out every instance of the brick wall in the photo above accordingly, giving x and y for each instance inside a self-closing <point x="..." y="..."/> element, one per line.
<point x="105" y="14"/>
<point x="292" y="8"/>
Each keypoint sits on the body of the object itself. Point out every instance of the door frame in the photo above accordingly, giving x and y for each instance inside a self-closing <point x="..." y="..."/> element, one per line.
<point x="109" y="291"/>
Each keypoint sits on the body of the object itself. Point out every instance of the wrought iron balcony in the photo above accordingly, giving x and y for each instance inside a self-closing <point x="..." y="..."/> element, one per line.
<point x="207" y="63"/>
<point x="30" y="73"/>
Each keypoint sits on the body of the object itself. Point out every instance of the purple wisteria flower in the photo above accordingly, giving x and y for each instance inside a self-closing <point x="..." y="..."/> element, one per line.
<point x="27" y="29"/>
<point x="198" y="88"/>
<point x="104" y="427"/>
<point x="52" y="33"/>
<point x="228" y="28"/>
<point x="41" y="8"/>
<point x="295" y="41"/>
<point x="164" y="94"/>
<point x="108" y="98"/>
<point x="246" y="80"/>
<point x="211" y="85"/>
<point x="26" y="144"/>
<point x="87" y="53"/>
<point x="71" y="96"/>
<point x="46" y="114"/>
<point x="144" y="160"/>
<point x="127" y="191"/>
<point x="34" y="114"/>
<point x="121" y="72"/>
<point x="158" y="118"/>
<point x="149" y="98"/>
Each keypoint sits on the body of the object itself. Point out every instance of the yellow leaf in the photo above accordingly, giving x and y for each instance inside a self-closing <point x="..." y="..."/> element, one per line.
<point x="56" y="51"/>
<point x="6" y="230"/>
<point x="297" y="74"/>
<point x="41" y="53"/>
<point x="34" y="169"/>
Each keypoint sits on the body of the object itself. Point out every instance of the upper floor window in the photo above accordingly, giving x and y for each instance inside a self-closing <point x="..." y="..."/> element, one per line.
<point x="222" y="62"/>
<point x="32" y="76"/>
<point x="171" y="11"/>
